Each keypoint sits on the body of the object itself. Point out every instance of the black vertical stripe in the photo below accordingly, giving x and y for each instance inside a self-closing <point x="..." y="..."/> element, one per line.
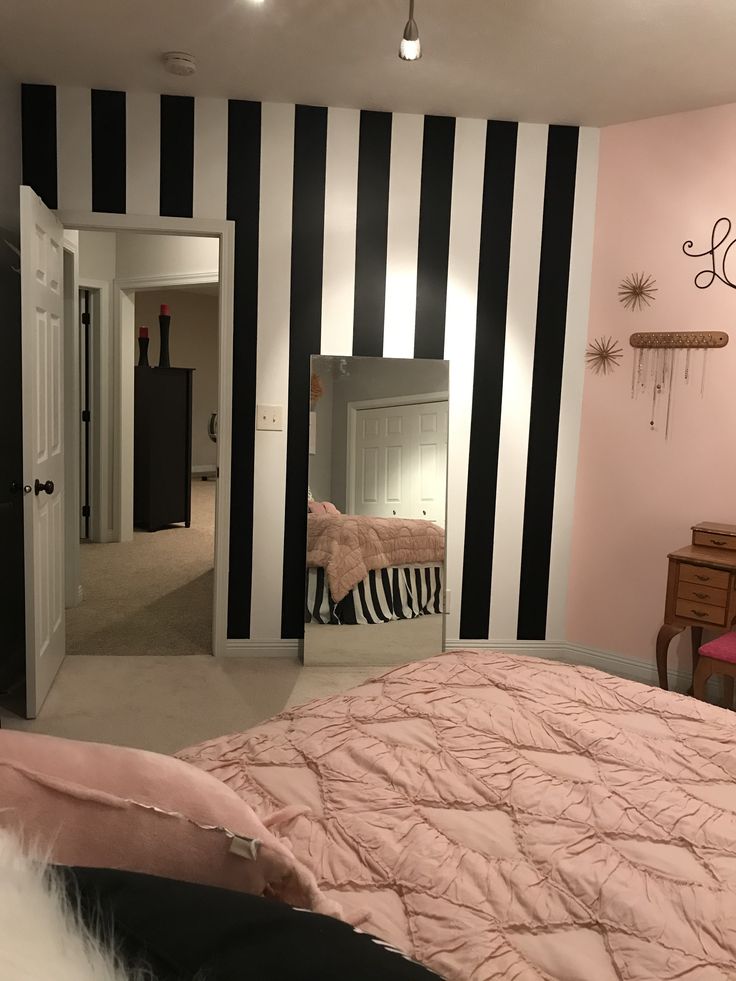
<point x="490" y="339"/>
<point x="177" y="156"/>
<point x="434" y="236"/>
<point x="38" y="141"/>
<point x="371" y="235"/>
<point x="108" y="151"/>
<point x="305" y="323"/>
<point x="549" y="351"/>
<point x="243" y="196"/>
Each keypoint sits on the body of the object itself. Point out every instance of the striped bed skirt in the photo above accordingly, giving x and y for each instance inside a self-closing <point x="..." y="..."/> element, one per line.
<point x="397" y="593"/>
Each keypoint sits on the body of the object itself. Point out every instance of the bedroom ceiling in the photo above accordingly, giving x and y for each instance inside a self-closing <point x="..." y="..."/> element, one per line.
<point x="577" y="61"/>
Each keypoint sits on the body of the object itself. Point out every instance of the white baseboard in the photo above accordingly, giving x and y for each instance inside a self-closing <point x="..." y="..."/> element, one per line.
<point x="204" y="468"/>
<point x="262" y="648"/>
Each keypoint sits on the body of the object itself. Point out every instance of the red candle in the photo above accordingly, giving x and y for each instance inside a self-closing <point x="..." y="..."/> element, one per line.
<point x="143" y="332"/>
<point x="165" y="312"/>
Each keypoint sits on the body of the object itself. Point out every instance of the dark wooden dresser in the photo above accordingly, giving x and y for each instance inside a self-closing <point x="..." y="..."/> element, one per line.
<point x="701" y="589"/>
<point x="162" y="481"/>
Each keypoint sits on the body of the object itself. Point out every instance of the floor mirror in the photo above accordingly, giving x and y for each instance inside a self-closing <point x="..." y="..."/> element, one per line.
<point x="375" y="569"/>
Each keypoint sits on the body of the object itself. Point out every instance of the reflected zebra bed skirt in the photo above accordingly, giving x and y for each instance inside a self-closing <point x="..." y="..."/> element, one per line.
<point x="397" y="593"/>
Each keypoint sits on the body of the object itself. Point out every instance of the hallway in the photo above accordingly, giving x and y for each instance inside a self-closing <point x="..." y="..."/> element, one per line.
<point x="152" y="595"/>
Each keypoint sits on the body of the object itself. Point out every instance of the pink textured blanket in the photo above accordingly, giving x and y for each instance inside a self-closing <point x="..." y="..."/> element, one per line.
<point x="350" y="546"/>
<point x="509" y="817"/>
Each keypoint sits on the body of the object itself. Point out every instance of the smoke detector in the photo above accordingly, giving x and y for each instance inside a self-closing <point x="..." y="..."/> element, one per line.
<point x="179" y="63"/>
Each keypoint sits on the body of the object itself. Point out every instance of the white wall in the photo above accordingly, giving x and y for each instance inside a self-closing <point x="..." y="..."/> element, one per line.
<point x="10" y="153"/>
<point x="165" y="255"/>
<point x="193" y="344"/>
<point x="97" y="256"/>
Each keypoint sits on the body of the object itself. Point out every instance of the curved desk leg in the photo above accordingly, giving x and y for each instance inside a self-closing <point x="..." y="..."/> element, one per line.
<point x="666" y="632"/>
<point x="696" y="637"/>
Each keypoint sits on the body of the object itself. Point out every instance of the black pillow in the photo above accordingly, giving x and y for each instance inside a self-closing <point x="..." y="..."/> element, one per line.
<point x="184" y="932"/>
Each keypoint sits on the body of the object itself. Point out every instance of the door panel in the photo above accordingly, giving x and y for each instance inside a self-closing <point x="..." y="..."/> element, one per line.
<point x="43" y="444"/>
<point x="404" y="449"/>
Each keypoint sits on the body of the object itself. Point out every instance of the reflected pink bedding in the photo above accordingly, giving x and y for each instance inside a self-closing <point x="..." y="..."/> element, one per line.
<point x="509" y="817"/>
<point x="350" y="546"/>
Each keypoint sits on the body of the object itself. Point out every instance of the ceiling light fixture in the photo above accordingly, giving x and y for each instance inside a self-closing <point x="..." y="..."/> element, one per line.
<point x="411" y="47"/>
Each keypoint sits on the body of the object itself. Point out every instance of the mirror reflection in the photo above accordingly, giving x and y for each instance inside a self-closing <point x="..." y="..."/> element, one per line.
<point x="375" y="575"/>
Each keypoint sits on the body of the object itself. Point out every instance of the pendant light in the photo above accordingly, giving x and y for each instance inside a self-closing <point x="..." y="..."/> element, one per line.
<point x="411" y="47"/>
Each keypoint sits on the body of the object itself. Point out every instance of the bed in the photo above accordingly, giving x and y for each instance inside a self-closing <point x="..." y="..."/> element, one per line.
<point x="367" y="570"/>
<point x="499" y="816"/>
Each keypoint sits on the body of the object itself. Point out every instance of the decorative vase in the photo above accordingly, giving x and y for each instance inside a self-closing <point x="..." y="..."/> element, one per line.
<point x="164" y="321"/>
<point x="143" y="348"/>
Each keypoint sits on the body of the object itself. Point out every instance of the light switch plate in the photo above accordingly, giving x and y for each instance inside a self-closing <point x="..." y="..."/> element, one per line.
<point x="270" y="417"/>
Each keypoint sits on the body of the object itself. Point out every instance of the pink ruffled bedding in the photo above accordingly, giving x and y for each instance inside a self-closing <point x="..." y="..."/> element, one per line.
<point x="349" y="546"/>
<point x="509" y="817"/>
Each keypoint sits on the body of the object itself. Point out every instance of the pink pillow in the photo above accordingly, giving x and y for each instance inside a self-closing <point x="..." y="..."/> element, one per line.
<point x="322" y="507"/>
<point x="94" y="805"/>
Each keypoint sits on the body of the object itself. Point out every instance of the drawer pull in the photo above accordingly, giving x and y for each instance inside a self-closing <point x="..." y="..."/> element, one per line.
<point x="702" y="596"/>
<point x="700" y="613"/>
<point x="703" y="578"/>
<point x="718" y="541"/>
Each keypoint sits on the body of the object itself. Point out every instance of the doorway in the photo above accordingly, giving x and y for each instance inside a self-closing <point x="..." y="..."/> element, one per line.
<point x="51" y="409"/>
<point x="147" y="562"/>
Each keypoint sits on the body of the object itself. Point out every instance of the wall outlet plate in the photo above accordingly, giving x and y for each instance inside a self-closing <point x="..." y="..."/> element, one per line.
<point x="270" y="417"/>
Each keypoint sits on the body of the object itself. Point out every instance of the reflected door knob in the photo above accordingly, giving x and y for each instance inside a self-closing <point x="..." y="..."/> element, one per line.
<point x="48" y="487"/>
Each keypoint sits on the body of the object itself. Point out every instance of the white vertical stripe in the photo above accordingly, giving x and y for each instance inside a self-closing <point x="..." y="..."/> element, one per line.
<point x="74" y="148"/>
<point x="272" y="366"/>
<point x="210" y="158"/>
<point x="462" y="303"/>
<point x="143" y="153"/>
<point x="341" y="203"/>
<point x="576" y="329"/>
<point x="405" y="185"/>
<point x="521" y="317"/>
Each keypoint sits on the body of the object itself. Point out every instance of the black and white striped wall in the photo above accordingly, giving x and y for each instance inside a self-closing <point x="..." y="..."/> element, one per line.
<point x="376" y="234"/>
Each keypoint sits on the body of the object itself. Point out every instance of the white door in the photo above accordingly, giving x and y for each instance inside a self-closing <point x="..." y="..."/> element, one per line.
<point x="430" y="486"/>
<point x="400" y="461"/>
<point x="42" y="279"/>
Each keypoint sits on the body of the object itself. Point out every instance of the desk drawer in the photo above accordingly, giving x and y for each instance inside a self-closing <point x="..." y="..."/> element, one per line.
<point x="702" y="594"/>
<point x="712" y="539"/>
<point x="716" y="578"/>
<point x="705" y="612"/>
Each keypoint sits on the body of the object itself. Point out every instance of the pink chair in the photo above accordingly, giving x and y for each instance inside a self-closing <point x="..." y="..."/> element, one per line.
<point x="717" y="657"/>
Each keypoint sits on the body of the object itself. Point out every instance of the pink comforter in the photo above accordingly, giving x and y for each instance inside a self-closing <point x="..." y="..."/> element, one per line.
<point x="509" y="817"/>
<point x="349" y="546"/>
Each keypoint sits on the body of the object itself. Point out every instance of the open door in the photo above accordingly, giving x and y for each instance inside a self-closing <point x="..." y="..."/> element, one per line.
<point x="42" y="321"/>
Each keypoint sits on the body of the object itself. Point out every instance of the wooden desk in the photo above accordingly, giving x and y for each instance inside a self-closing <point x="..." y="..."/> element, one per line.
<point x="701" y="592"/>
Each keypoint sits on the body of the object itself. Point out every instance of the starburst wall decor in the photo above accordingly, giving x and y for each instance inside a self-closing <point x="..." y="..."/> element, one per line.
<point x="637" y="291"/>
<point x="603" y="355"/>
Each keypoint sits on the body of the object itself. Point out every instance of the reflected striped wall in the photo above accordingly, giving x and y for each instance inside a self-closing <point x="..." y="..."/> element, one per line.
<point x="378" y="234"/>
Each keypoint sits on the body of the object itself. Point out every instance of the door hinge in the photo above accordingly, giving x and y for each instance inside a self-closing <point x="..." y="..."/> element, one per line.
<point x="86" y="415"/>
<point x="86" y="319"/>
<point x="85" y="510"/>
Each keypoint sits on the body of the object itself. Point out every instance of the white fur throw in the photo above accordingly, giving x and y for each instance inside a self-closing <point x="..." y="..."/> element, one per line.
<point x="41" y="935"/>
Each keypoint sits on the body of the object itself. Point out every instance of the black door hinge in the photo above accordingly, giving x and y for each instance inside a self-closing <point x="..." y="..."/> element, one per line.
<point x="86" y="415"/>
<point x="86" y="319"/>
<point x="85" y="510"/>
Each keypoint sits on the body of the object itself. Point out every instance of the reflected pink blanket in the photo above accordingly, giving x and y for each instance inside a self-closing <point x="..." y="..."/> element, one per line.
<point x="349" y="546"/>
<point x="509" y="817"/>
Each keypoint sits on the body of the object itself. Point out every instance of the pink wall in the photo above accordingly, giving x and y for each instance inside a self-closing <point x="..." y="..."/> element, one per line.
<point x="661" y="181"/>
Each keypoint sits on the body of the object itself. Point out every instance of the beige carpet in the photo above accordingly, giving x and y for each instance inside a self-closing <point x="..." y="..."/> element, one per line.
<point x="166" y="703"/>
<point x="151" y="595"/>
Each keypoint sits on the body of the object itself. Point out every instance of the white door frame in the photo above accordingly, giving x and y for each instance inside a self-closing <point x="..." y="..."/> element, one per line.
<point x="225" y="232"/>
<point x="352" y="430"/>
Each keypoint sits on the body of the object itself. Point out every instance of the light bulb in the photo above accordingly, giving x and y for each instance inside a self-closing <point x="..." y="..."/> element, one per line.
<point x="410" y="50"/>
